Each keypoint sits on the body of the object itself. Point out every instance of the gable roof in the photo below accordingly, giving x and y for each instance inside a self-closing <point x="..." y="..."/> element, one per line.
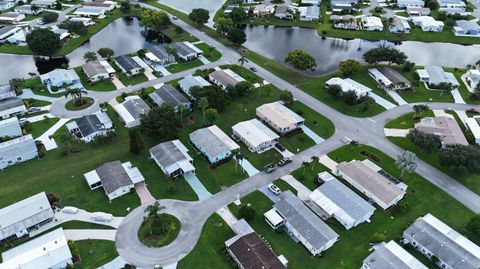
<point x="127" y="63"/>
<point x="254" y="132"/>
<point x="90" y="124"/>
<point x="97" y="67"/>
<point x="113" y="176"/>
<point x="11" y="103"/>
<point x="391" y="256"/>
<point x="191" y="81"/>
<point x="172" y="155"/>
<point x="136" y="106"/>
<point x="213" y="141"/>
<point x="10" y="127"/>
<point x="185" y="48"/>
<point x="167" y="94"/>
<point x="160" y="52"/>
<point x="391" y="75"/>
<point x="445" y="127"/>
<point x="226" y="77"/>
<point x="279" y="114"/>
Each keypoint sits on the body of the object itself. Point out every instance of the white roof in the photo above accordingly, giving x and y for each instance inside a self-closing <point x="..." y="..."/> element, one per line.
<point x="273" y="217"/>
<point x="349" y="85"/>
<point x="45" y="251"/>
<point x="391" y="256"/>
<point x="371" y="21"/>
<point x="279" y="114"/>
<point x="107" y="66"/>
<point x="254" y="132"/>
<point x="133" y="173"/>
<point x="92" y="177"/>
<point x="473" y="126"/>
<point x="10" y="127"/>
<point x="403" y="255"/>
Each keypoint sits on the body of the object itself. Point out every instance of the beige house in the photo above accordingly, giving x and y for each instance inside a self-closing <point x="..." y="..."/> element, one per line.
<point x="445" y="127"/>
<point x="279" y="117"/>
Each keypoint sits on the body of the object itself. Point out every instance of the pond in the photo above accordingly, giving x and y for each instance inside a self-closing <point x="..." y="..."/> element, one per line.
<point x="277" y="42"/>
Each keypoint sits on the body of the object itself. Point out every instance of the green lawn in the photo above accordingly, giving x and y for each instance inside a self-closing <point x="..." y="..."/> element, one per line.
<point x="128" y="80"/>
<point x="213" y="55"/>
<point x="177" y="36"/>
<point x="38" y="88"/>
<point x="40" y="127"/>
<point x="35" y="103"/>
<point x="407" y="121"/>
<point x="182" y="66"/>
<point x="87" y="102"/>
<point x="364" y="78"/>
<point x="94" y="253"/>
<point x="160" y="240"/>
<point x="244" y="73"/>
<point x="101" y="86"/>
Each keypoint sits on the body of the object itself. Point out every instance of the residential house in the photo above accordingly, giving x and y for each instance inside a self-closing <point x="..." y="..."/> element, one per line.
<point x="302" y="224"/>
<point x="10" y="128"/>
<point x="350" y="2"/>
<point x="46" y="4"/>
<point x="428" y="24"/>
<point x="18" y="36"/>
<point x="213" y="144"/>
<point x="84" y="21"/>
<point x="6" y="92"/>
<point x="12" y="107"/>
<point x="341" y="8"/>
<point x="159" y="55"/>
<point x="172" y="157"/>
<point x="225" y="78"/>
<point x="186" y="50"/>
<point x="167" y="94"/>
<point x="311" y="2"/>
<point x="389" y="78"/>
<point x="228" y="10"/>
<point x="337" y="200"/>
<point x="116" y="178"/>
<point x="4" y="5"/>
<point x="310" y="13"/>
<point x="190" y="81"/>
<point x="62" y="33"/>
<point x="371" y="23"/>
<point x="466" y="28"/>
<point x="11" y="17"/>
<point x="349" y="85"/>
<point x="400" y="25"/>
<point x="27" y="10"/>
<point x="443" y="245"/>
<point x="282" y="12"/>
<point x="372" y="181"/>
<point x="18" y="219"/>
<point x="434" y="75"/>
<point x="279" y="117"/>
<point x="60" y="78"/>
<point x="262" y="10"/>
<point x="90" y="12"/>
<point x="128" y="65"/>
<point x="410" y="3"/>
<point x="50" y="250"/>
<point x="453" y="7"/>
<point x="472" y="77"/>
<point x="445" y="127"/>
<point x="418" y="11"/>
<point x="108" y="5"/>
<point x="250" y="251"/>
<point x="89" y="127"/>
<point x="131" y="110"/>
<point x="8" y="31"/>
<point x="345" y="22"/>
<point x="391" y="256"/>
<point x="98" y="70"/>
<point x="256" y="136"/>
<point x="473" y="125"/>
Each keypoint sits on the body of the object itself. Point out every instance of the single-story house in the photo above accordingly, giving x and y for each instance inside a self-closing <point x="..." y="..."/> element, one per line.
<point x="399" y="25"/>
<point x="6" y="92"/>
<point x="418" y="11"/>
<point x="301" y="223"/>
<point x="186" y="50"/>
<point x="337" y="200"/>
<point x="351" y="2"/>
<point x="224" y="78"/>
<point x="88" y="127"/>
<point x="167" y="94"/>
<point x="18" y="36"/>
<point x="213" y="143"/>
<point x="108" y="5"/>
<point x="250" y="251"/>
<point x="60" y="78"/>
<point x="428" y="24"/>
<point x="128" y="65"/>
<point x="17" y="150"/>
<point x="159" y="55"/>
<point x="44" y="3"/>
<point x="91" y="12"/>
<point x="372" y="181"/>
<point x="389" y="78"/>
<point x="62" y="33"/>
<point x="11" y="17"/>
<point x="7" y="31"/>
<point x="98" y="70"/>
<point x="84" y="21"/>
<point x="348" y="84"/>
<point x="311" y="2"/>
<point x="256" y="136"/>
<point x="27" y="10"/>
<point x="50" y="250"/>
<point x="371" y="23"/>
<point x="434" y="75"/>
<point x="346" y="22"/>
<point x="341" y="8"/>
<point x="18" y="219"/>
<point x="410" y="3"/>
<point x="4" y="5"/>
<point x="447" y="128"/>
<point x="453" y="7"/>
<point x="472" y="77"/>
<point x="466" y="28"/>
<point x="172" y="157"/>
<point x="131" y="110"/>
<point x="279" y="117"/>
<point x="391" y="256"/>
<point x="262" y="10"/>
<point x="282" y="12"/>
<point x="310" y="13"/>
<point x="10" y="128"/>
<point x="116" y="178"/>
<point x="473" y="125"/>
<point x="434" y="238"/>
<point x="12" y="107"/>
<point x="192" y="81"/>
<point x="228" y="10"/>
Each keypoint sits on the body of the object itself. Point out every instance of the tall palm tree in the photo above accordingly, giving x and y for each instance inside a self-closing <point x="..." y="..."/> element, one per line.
<point x="304" y="165"/>
<point x="181" y="108"/>
<point x="315" y="160"/>
<point x="76" y="94"/>
<point x="242" y="61"/>
<point x="203" y="105"/>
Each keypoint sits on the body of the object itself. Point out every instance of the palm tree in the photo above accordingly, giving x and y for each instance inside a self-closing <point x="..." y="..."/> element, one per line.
<point x="304" y="165"/>
<point x="76" y="94"/>
<point x="315" y="160"/>
<point x="181" y="108"/>
<point x="203" y="105"/>
<point x="239" y="157"/>
<point x="242" y="61"/>
<point x="153" y="218"/>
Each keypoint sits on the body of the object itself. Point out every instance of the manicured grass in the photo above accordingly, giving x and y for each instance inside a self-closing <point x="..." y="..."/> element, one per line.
<point x="128" y="80"/>
<point x="209" y="251"/>
<point x="40" y="127"/>
<point x="94" y="253"/>
<point x="101" y="86"/>
<point x="244" y="73"/>
<point x="307" y="175"/>
<point x="213" y="55"/>
<point x="182" y="66"/>
<point x="407" y="121"/>
<point x="160" y="240"/>
<point x="362" y="77"/>
<point x="177" y="36"/>
<point x="284" y="186"/>
<point x="38" y="88"/>
<point x="87" y="101"/>
<point x="297" y="142"/>
<point x="35" y="103"/>
<point x="458" y="72"/>
<point x="317" y="122"/>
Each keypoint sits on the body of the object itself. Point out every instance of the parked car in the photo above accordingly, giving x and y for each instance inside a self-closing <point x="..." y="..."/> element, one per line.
<point x="473" y="111"/>
<point x="40" y="22"/>
<point x="284" y="161"/>
<point x="280" y="147"/>
<point x="253" y="69"/>
<point x="33" y="109"/>
<point x="274" y="188"/>
<point x="174" y="17"/>
<point x="269" y="168"/>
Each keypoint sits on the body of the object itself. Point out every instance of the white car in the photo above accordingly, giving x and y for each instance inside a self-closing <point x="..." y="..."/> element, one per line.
<point x="40" y="22"/>
<point x="274" y="188"/>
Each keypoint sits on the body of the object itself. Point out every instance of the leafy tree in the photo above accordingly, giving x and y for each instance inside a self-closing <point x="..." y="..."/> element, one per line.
<point x="432" y="4"/>
<point x="350" y="97"/>
<point x="58" y="5"/>
<point x="243" y="88"/>
<point x="287" y="97"/>
<point x="125" y="7"/>
<point x="349" y="67"/>
<point x="76" y="94"/>
<point x="427" y="142"/>
<point x="246" y="212"/>
<point x="157" y="223"/>
<point x="90" y="56"/>
<point x="161" y="122"/>
<point x="223" y="25"/>
<point x="202" y="103"/>
<point x="199" y="15"/>
<point x="475" y="96"/>
<point x="408" y="66"/>
<point x="464" y="159"/>
<point x="473" y="225"/>
<point x="238" y="15"/>
<point x="136" y="144"/>
<point x="419" y="110"/>
<point x="367" y="103"/>
<point x="377" y="237"/>
<point x="49" y="17"/>
<point x="43" y="41"/>
<point x="106" y="53"/>
<point x="385" y="54"/>
<point x="211" y="115"/>
<point x="236" y="36"/>
<point x="154" y="19"/>
<point x="301" y="60"/>
<point x="407" y="162"/>
<point x="334" y="90"/>
<point x="443" y="86"/>
<point x="217" y="98"/>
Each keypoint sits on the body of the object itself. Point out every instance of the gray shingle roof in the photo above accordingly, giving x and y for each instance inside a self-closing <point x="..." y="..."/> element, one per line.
<point x="113" y="176"/>
<point x="136" y="107"/>
<point x="391" y="256"/>
<point x="89" y="124"/>
<point x="160" y="52"/>
<point x="182" y="49"/>
<point x="167" y="94"/>
<point x="10" y="103"/>
<point x="127" y="63"/>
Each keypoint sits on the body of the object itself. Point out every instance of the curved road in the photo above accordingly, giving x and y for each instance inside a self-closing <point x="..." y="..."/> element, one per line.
<point x="193" y="215"/>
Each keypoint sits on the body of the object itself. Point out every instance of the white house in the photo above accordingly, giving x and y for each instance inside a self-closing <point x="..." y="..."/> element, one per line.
<point x="89" y="127"/>
<point x="433" y="75"/>
<point x="46" y="251"/>
<point x="108" y="5"/>
<point x="391" y="256"/>
<point x="310" y="13"/>
<point x="27" y="10"/>
<point x="280" y="117"/>
<point x="44" y="3"/>
<point x="172" y="157"/>
<point x="128" y="65"/>
<point x="418" y="11"/>
<point x="131" y="110"/>
<point x="90" y="12"/>
<point x="428" y="24"/>
<point x="116" y="178"/>
<point x="192" y="81"/>
<point x="372" y="23"/>
<point x="256" y="136"/>
<point x="84" y="21"/>
<point x="282" y="12"/>
<point x="10" y="128"/>
<point x="389" y="78"/>
<point x="6" y="92"/>
<point x="342" y="203"/>
<point x="399" y="25"/>
<point x="466" y="28"/>
<point x="11" y="107"/>
<point x="349" y="85"/>
<point x="410" y="3"/>
<point x="159" y="55"/>
<point x="224" y="78"/>
<point x="17" y="150"/>
<point x="6" y="5"/>
<point x="472" y="77"/>
<point x="98" y="70"/>
<point x="473" y="125"/>
<point x="8" y="31"/>
<point x="11" y="17"/>
<point x="186" y="50"/>
<point x="453" y="7"/>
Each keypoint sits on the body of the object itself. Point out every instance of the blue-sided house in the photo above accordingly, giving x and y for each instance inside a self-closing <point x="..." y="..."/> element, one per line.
<point x="213" y="143"/>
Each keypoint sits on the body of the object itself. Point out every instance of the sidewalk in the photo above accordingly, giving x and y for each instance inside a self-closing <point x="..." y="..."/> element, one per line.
<point x="48" y="142"/>
<point x="457" y="97"/>
<point x="39" y="117"/>
<point x="28" y="94"/>
<point x="316" y="138"/>
<point x="248" y="167"/>
<point x="329" y="163"/>
<point x="143" y="193"/>
<point x="227" y="216"/>
<point x="381" y="101"/>
<point x="303" y="192"/>
<point x="397" y="98"/>
<point x="117" y="263"/>
<point x="442" y="113"/>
